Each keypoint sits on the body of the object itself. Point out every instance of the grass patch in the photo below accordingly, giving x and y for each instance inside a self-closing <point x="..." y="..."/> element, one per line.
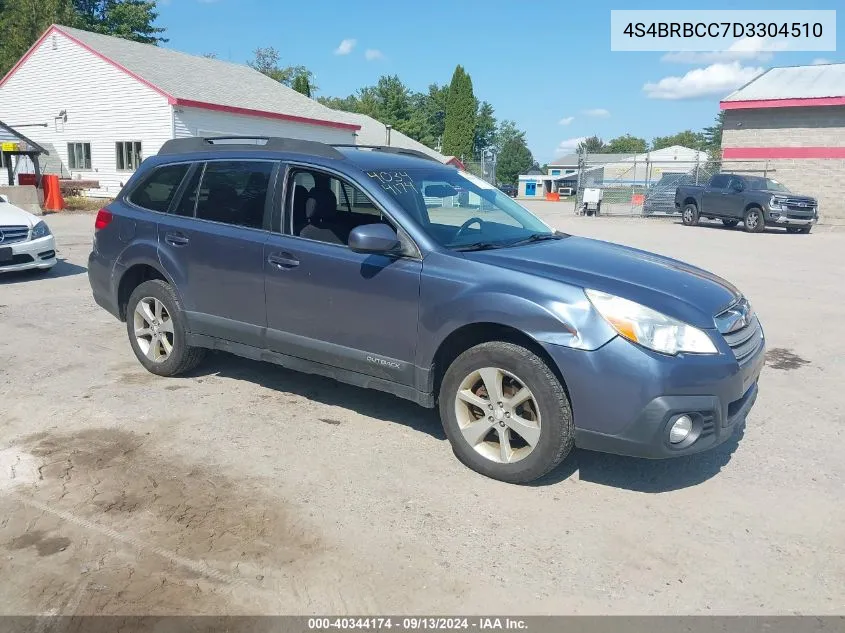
<point x="82" y="203"/>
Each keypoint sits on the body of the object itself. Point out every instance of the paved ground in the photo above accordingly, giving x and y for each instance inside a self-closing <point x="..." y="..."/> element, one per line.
<point x="251" y="489"/>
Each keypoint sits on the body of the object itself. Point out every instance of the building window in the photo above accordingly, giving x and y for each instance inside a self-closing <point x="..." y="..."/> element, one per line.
<point x="128" y="155"/>
<point x="79" y="155"/>
<point x="555" y="172"/>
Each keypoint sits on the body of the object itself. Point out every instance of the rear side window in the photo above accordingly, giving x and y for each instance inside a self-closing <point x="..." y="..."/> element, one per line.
<point x="720" y="181"/>
<point x="156" y="191"/>
<point x="234" y="192"/>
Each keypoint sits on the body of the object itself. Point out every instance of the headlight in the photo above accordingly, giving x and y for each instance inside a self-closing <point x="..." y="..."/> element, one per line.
<point x="650" y="328"/>
<point x="776" y="203"/>
<point x="40" y="230"/>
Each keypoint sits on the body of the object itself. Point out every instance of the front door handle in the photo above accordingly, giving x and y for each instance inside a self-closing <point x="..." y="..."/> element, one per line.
<point x="283" y="261"/>
<point x="176" y="239"/>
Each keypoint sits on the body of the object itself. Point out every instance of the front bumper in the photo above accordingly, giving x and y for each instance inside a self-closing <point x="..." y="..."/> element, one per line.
<point x="779" y="218"/>
<point x="40" y="253"/>
<point x="625" y="398"/>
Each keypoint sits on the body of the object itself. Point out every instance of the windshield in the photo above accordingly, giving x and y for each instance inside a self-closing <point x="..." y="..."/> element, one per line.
<point x="766" y="184"/>
<point x="459" y="210"/>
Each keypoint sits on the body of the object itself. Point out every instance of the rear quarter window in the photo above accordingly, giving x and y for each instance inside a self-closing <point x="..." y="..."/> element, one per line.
<point x="156" y="191"/>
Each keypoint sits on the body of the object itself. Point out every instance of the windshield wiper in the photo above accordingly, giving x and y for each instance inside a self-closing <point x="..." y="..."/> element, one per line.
<point x="478" y="246"/>
<point x="539" y="237"/>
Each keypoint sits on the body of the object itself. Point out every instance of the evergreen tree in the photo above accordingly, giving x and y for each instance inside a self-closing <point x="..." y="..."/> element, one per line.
<point x="459" y="128"/>
<point x="514" y="159"/>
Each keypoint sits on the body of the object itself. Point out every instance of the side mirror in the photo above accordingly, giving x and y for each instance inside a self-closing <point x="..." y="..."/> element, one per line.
<point x="374" y="238"/>
<point x="440" y="191"/>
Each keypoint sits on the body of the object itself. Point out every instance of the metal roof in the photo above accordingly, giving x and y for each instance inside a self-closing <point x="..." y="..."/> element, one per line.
<point x="794" y="82"/>
<point x="8" y="133"/>
<point x="188" y="78"/>
<point x="374" y="132"/>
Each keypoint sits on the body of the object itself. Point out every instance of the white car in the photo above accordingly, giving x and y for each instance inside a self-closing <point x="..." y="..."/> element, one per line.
<point x="25" y="241"/>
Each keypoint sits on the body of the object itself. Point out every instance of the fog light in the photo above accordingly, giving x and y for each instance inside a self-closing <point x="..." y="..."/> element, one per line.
<point x="680" y="429"/>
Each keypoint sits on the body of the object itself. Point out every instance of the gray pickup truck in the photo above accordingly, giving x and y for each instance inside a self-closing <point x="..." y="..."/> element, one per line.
<point x="755" y="201"/>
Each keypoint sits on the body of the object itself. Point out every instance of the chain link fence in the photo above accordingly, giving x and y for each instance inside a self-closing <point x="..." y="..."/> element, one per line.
<point x="633" y="185"/>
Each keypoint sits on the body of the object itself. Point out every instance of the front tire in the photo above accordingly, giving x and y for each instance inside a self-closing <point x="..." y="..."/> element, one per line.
<point x="505" y="413"/>
<point x="730" y="223"/>
<point x="690" y="215"/>
<point x="157" y="330"/>
<point x="754" y="221"/>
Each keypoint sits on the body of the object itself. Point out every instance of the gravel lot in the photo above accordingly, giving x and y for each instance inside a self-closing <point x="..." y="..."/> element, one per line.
<point x="247" y="488"/>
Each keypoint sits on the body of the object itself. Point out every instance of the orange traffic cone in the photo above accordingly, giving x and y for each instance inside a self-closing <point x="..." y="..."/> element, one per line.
<point x="53" y="200"/>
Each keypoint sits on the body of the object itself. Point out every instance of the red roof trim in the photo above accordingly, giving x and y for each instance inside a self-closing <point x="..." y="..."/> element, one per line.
<point x="783" y="152"/>
<point x="170" y="98"/>
<point x="189" y="103"/>
<point x="782" y="103"/>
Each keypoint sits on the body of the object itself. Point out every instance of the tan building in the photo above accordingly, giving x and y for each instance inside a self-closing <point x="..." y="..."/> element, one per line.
<point x="791" y="121"/>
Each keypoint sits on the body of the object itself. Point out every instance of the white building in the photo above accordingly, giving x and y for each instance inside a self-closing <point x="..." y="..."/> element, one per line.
<point x="99" y="104"/>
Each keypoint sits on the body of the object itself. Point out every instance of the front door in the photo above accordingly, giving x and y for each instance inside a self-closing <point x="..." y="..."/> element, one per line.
<point x="328" y="304"/>
<point x="212" y="245"/>
<point x="713" y="199"/>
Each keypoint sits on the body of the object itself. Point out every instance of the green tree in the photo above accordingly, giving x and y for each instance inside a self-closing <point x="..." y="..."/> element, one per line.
<point x="129" y="19"/>
<point x="626" y="144"/>
<point x="485" y="128"/>
<point x="687" y="138"/>
<point x="592" y="145"/>
<point x="507" y="131"/>
<point x="514" y="159"/>
<point x="302" y="84"/>
<point x="712" y="136"/>
<point x="346" y="104"/>
<point x="459" y="128"/>
<point x="266" y="61"/>
<point x="23" y="21"/>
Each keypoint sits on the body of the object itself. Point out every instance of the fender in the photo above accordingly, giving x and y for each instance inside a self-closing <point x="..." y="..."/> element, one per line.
<point x="143" y="252"/>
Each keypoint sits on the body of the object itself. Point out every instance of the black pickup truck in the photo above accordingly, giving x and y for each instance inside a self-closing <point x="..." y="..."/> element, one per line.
<point x="755" y="201"/>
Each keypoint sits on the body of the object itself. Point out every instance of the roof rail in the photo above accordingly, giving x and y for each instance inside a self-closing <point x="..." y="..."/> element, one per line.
<point x="257" y="143"/>
<point x="392" y="149"/>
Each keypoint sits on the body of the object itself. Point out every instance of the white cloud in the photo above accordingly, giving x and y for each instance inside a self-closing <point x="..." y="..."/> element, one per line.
<point x="821" y="60"/>
<point x="345" y="47"/>
<point x="599" y="113"/>
<point x="744" y="49"/>
<point x="373" y="53"/>
<point x="571" y="144"/>
<point x="716" y="79"/>
<point x="566" y="120"/>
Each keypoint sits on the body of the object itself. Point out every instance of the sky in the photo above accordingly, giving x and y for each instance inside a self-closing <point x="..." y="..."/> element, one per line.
<point x="547" y="66"/>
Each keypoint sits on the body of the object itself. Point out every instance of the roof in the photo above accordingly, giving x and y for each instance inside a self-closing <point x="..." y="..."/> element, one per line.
<point x="193" y="81"/>
<point x="7" y="133"/>
<point x="564" y="161"/>
<point x="791" y="86"/>
<point x="604" y="159"/>
<point x="374" y="132"/>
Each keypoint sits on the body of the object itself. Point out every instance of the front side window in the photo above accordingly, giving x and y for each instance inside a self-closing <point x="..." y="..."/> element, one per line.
<point x="324" y="208"/>
<point x="127" y="155"/>
<point x="234" y="192"/>
<point x="459" y="210"/>
<point x="157" y="190"/>
<point x="79" y="155"/>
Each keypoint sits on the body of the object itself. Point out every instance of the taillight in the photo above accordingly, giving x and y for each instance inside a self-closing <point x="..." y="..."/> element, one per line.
<point x="104" y="218"/>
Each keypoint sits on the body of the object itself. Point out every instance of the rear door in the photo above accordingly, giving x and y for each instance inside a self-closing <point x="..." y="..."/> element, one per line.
<point x="713" y="199"/>
<point x="212" y="244"/>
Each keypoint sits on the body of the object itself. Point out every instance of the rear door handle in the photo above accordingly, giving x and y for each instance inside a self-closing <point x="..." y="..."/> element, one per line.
<point x="176" y="239"/>
<point x="283" y="261"/>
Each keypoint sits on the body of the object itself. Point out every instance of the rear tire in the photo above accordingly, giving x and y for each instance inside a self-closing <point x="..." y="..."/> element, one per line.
<point x="754" y="221"/>
<point x="157" y="330"/>
<point x="690" y="215"/>
<point x="730" y="223"/>
<point x="518" y="430"/>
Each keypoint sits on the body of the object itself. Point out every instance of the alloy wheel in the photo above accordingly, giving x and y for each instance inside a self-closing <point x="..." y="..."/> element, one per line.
<point x="153" y="329"/>
<point x="498" y="415"/>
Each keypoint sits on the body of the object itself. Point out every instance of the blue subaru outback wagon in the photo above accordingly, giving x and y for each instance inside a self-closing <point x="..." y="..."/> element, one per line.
<point x="383" y="268"/>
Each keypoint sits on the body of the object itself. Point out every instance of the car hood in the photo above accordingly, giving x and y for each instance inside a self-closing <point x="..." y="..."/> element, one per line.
<point x="667" y="285"/>
<point x="10" y="215"/>
<point x="788" y="194"/>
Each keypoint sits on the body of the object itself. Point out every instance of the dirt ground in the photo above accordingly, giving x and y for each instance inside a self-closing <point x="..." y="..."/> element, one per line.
<point x="249" y="489"/>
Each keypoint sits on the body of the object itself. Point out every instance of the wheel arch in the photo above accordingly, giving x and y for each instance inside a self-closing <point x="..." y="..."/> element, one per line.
<point x="133" y="277"/>
<point x="690" y="200"/>
<point x="472" y="334"/>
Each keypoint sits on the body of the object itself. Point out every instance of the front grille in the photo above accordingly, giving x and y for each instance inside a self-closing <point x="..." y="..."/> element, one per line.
<point x="17" y="259"/>
<point x="741" y="329"/>
<point x="12" y="234"/>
